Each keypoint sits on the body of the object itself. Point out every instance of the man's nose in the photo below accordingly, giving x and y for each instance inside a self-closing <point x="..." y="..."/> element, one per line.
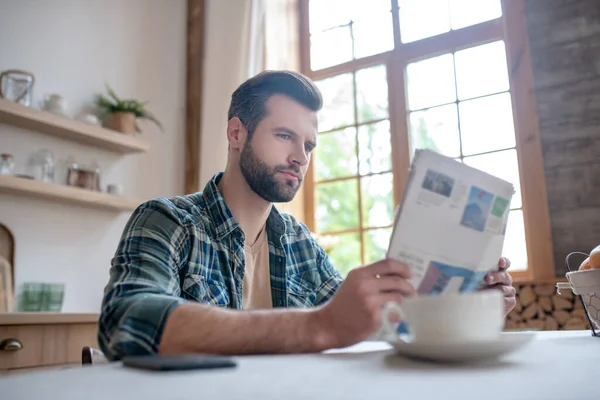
<point x="299" y="157"/>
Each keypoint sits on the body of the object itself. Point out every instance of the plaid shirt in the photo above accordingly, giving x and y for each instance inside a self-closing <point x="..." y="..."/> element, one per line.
<point x="191" y="249"/>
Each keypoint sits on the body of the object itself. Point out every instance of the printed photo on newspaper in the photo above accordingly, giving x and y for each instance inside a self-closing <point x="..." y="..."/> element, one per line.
<point x="450" y="225"/>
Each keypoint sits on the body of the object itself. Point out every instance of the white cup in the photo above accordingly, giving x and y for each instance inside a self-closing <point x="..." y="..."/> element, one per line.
<point x="460" y="317"/>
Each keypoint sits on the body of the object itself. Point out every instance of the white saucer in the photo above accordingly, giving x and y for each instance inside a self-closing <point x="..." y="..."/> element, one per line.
<point x="506" y="343"/>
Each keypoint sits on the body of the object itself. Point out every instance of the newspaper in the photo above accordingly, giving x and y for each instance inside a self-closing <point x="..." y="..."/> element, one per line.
<point x="451" y="223"/>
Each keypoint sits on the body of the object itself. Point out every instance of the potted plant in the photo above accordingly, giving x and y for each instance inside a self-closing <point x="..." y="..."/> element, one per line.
<point x="121" y="115"/>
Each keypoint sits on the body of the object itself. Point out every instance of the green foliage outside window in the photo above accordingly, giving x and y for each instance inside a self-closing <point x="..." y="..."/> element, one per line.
<point x="337" y="202"/>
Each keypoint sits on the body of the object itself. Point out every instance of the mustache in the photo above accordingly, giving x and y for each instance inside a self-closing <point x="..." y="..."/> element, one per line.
<point x="290" y="168"/>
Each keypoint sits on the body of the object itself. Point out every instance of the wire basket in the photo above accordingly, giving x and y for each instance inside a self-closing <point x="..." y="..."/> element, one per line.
<point x="586" y="286"/>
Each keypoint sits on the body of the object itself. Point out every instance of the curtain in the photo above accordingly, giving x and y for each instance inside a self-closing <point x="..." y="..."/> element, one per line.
<point x="243" y="37"/>
<point x="282" y="51"/>
<point x="232" y="39"/>
<point x="282" y="45"/>
<point x="256" y="37"/>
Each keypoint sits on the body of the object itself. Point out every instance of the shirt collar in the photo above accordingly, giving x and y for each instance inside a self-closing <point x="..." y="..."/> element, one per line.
<point x="221" y="215"/>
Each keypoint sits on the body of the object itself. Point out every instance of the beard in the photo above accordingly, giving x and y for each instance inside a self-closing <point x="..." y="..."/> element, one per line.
<point x="262" y="178"/>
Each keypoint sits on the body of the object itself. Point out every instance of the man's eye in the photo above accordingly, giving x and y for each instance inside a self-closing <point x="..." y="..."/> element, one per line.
<point x="284" y="136"/>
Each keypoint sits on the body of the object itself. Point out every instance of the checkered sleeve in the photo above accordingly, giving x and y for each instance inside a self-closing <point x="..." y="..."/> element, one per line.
<point x="331" y="277"/>
<point x="143" y="287"/>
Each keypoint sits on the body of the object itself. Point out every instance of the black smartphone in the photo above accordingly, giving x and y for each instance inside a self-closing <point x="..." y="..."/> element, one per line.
<point x="179" y="362"/>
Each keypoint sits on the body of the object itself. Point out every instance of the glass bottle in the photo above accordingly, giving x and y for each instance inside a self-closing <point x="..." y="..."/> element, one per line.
<point x="41" y="165"/>
<point x="7" y="164"/>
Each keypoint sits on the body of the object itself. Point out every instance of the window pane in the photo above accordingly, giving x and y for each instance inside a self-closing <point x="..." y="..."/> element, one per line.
<point x="431" y="82"/>
<point x="324" y="14"/>
<point x="377" y="200"/>
<point x="470" y="12"/>
<point x="337" y="206"/>
<point x="481" y="70"/>
<point x="372" y="94"/>
<point x="346" y="253"/>
<point x="515" y="248"/>
<point x="436" y="129"/>
<point x="336" y="154"/>
<point x="338" y="105"/>
<point x="420" y="19"/>
<point x="373" y="36"/>
<point x="369" y="9"/>
<point x="375" y="148"/>
<point x="486" y="124"/>
<point x="504" y="165"/>
<point x="331" y="47"/>
<point x="376" y="244"/>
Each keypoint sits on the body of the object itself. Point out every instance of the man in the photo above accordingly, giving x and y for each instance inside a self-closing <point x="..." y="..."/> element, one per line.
<point x="222" y="271"/>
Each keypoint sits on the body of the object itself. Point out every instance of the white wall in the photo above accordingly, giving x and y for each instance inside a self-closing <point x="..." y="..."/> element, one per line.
<point x="73" y="47"/>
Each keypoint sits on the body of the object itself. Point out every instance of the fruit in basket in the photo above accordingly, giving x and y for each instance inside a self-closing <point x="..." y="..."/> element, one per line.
<point x="595" y="258"/>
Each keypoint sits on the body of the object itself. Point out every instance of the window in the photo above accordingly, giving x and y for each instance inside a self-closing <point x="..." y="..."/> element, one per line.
<point x="353" y="177"/>
<point x="397" y="75"/>
<point x="459" y="105"/>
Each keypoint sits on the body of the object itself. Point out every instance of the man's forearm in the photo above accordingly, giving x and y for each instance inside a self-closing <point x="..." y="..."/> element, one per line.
<point x="203" y="329"/>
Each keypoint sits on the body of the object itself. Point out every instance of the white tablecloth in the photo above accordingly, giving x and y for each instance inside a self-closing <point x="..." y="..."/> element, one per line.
<point x="557" y="365"/>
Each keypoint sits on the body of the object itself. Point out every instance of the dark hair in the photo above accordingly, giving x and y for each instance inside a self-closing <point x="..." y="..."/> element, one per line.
<point x="249" y="99"/>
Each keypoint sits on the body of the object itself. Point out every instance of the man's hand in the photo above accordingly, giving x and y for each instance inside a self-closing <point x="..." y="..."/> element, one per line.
<point x="354" y="312"/>
<point x="501" y="280"/>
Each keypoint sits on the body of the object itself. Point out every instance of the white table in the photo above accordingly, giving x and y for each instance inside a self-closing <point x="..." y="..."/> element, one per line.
<point x="557" y="365"/>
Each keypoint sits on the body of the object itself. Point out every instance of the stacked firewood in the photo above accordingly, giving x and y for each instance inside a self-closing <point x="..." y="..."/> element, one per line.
<point x="539" y="306"/>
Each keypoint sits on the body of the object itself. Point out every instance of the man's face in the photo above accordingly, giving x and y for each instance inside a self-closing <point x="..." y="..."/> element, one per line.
<point x="275" y="159"/>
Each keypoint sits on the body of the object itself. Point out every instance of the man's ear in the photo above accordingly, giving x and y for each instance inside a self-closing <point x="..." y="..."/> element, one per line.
<point x="236" y="133"/>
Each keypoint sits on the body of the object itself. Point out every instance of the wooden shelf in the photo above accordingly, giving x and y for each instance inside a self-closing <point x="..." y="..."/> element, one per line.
<point x="55" y="125"/>
<point x="43" y="318"/>
<point x="65" y="194"/>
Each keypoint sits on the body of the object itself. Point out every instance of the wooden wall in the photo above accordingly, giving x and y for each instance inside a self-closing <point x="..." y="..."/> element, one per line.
<point x="565" y="51"/>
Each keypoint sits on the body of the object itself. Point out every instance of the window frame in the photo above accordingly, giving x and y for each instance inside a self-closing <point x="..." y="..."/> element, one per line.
<point x="511" y="27"/>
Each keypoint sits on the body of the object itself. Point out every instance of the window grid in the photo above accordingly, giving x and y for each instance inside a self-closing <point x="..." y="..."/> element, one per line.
<point x="355" y="125"/>
<point x="362" y="228"/>
<point x="531" y="178"/>
<point x="457" y="103"/>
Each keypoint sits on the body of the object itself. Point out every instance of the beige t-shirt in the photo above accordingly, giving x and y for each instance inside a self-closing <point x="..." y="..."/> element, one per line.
<point x="256" y="291"/>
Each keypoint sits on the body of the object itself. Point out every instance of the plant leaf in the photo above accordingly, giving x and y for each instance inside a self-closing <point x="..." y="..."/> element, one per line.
<point x="104" y="104"/>
<point x="112" y="93"/>
<point x="152" y="118"/>
<point x="113" y="103"/>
